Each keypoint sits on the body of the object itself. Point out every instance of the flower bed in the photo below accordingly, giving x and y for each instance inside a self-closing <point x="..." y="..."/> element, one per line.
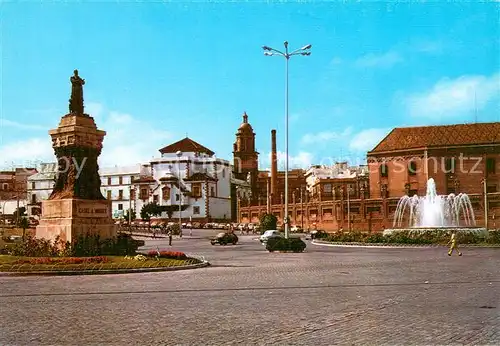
<point x="88" y="264"/>
<point x="167" y="254"/>
<point x="62" y="260"/>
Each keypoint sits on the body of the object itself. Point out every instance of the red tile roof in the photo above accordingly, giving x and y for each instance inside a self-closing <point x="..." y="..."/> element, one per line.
<point x="402" y="138"/>
<point x="186" y="145"/>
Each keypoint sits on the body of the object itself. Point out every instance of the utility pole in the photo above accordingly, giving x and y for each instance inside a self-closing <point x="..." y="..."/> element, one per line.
<point x="130" y="206"/>
<point x="485" y="204"/>
<point x="302" y="209"/>
<point x="268" y="205"/>
<point x="348" y="207"/>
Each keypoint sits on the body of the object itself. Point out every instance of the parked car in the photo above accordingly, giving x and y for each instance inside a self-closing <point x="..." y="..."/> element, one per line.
<point x="224" y="238"/>
<point x="270" y="234"/>
<point x="316" y="234"/>
<point x="296" y="229"/>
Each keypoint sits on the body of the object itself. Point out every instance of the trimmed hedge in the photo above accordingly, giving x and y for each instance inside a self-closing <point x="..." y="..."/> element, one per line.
<point x="411" y="237"/>
<point x="89" y="245"/>
<point x="285" y="245"/>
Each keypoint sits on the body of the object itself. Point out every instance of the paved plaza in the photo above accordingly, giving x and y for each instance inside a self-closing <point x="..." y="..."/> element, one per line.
<point x="325" y="296"/>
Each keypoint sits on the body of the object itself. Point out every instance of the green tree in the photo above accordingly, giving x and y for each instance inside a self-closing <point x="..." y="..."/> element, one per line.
<point x="148" y="210"/>
<point x="21" y="211"/>
<point x="24" y="224"/>
<point x="268" y="222"/>
<point x="133" y="215"/>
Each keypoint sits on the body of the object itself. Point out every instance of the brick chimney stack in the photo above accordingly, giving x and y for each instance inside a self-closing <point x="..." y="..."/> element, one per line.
<point x="274" y="163"/>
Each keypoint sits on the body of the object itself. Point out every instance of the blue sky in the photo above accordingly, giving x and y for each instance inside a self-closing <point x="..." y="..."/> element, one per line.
<point x="157" y="71"/>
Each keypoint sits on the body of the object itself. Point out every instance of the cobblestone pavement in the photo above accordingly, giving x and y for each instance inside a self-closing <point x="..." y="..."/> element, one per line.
<point x="325" y="296"/>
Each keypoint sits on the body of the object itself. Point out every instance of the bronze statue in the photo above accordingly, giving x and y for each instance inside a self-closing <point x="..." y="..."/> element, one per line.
<point x="76" y="100"/>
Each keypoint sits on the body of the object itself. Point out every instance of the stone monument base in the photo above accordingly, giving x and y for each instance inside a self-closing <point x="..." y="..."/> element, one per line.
<point x="69" y="218"/>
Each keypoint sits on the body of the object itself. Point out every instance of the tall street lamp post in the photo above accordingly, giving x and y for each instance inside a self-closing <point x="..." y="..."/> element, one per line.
<point x="349" y="190"/>
<point x="270" y="52"/>
<point x="179" y="154"/>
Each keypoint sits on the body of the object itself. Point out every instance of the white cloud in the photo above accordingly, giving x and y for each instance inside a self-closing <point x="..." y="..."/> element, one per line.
<point x="325" y="136"/>
<point x="26" y="153"/>
<point x="15" y="124"/>
<point x="128" y="141"/>
<point x="385" y="60"/>
<point x="366" y="140"/>
<point x="455" y="97"/>
<point x="302" y="160"/>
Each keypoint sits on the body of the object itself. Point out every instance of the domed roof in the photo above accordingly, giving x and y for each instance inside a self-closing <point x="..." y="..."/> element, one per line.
<point x="245" y="126"/>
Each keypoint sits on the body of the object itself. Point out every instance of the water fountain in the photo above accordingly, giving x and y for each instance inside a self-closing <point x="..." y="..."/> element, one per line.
<point x="435" y="213"/>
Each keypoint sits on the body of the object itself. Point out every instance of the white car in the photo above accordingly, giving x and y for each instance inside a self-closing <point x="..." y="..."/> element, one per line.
<point x="270" y="234"/>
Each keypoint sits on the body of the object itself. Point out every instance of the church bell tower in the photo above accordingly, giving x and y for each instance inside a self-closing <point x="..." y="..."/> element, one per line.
<point x="245" y="157"/>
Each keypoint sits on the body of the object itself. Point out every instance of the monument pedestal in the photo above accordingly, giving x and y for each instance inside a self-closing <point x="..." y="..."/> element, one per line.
<point x="69" y="218"/>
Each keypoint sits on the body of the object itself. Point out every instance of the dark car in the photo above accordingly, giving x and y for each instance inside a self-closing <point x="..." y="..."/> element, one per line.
<point x="224" y="238"/>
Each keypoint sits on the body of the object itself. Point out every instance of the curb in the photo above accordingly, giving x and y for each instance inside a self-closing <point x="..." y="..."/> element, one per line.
<point x="400" y="246"/>
<point x="107" y="271"/>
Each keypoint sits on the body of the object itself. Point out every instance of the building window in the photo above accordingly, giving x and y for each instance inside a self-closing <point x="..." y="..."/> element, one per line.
<point x="132" y="194"/>
<point x="327" y="188"/>
<point x="120" y="206"/>
<point x="144" y="194"/>
<point x="384" y="171"/>
<point x="196" y="210"/>
<point x="33" y="199"/>
<point x="155" y="198"/>
<point x="223" y="173"/>
<point x="33" y="185"/>
<point x="108" y="194"/>
<point x="412" y="168"/>
<point x="212" y="191"/>
<point x="120" y="194"/>
<point x="491" y="189"/>
<point x="196" y="190"/>
<point x="177" y="197"/>
<point x="165" y="193"/>
<point x="120" y="180"/>
<point x="5" y="186"/>
<point x="490" y="165"/>
<point x="109" y="180"/>
<point x="449" y="165"/>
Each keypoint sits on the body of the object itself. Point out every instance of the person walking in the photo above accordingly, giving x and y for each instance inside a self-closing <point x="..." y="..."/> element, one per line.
<point x="453" y="246"/>
<point x="169" y="237"/>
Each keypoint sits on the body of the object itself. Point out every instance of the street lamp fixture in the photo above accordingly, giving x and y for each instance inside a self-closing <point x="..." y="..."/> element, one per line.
<point x="268" y="51"/>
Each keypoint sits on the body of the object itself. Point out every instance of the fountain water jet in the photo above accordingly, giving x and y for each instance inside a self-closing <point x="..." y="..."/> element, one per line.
<point x="434" y="212"/>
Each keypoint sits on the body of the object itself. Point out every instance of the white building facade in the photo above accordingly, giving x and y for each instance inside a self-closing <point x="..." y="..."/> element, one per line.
<point x="115" y="186"/>
<point x="189" y="182"/>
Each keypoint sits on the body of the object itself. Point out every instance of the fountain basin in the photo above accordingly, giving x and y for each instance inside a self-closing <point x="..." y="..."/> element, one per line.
<point x="445" y="230"/>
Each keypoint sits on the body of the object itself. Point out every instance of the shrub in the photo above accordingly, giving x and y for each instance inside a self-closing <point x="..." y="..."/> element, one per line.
<point x="493" y="237"/>
<point x="376" y="238"/>
<point x="88" y="245"/>
<point x="175" y="229"/>
<point x="268" y="222"/>
<point x="283" y="244"/>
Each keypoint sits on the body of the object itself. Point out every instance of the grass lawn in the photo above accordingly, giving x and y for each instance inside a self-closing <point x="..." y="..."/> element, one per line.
<point x="14" y="264"/>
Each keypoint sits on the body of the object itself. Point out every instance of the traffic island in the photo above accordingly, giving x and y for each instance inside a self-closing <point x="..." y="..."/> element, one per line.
<point x="19" y="265"/>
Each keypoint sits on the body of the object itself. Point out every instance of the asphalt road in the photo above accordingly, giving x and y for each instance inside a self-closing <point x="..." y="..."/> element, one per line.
<point x="325" y="296"/>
